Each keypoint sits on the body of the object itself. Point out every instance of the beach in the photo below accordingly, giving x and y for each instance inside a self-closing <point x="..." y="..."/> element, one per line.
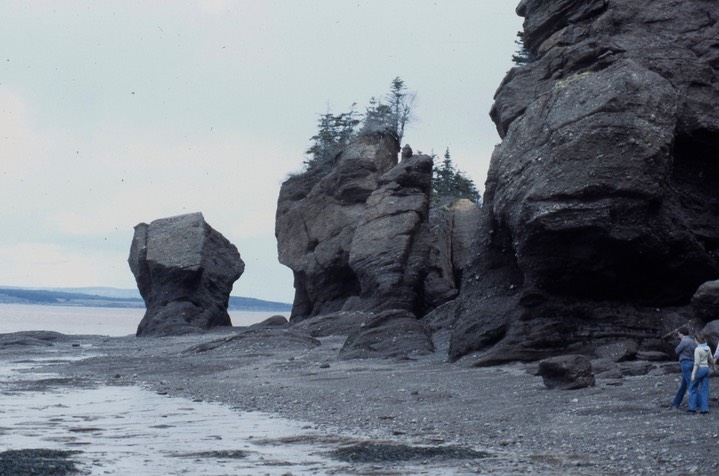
<point x="412" y="416"/>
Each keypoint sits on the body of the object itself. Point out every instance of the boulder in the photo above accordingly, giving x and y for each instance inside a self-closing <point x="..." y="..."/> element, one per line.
<point x="653" y="356"/>
<point x="31" y="339"/>
<point x="272" y="321"/>
<point x="600" y="209"/>
<point x="636" y="367"/>
<point x="566" y="372"/>
<point x="393" y="333"/>
<point x="606" y="369"/>
<point x="184" y="270"/>
<point x="711" y="332"/>
<point x="705" y="301"/>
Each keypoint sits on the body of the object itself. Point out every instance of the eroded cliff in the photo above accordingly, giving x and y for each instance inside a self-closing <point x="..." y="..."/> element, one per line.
<point x="359" y="237"/>
<point x="601" y="212"/>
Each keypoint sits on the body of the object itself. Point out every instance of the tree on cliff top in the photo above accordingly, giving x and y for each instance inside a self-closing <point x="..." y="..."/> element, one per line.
<point x="389" y="114"/>
<point x="393" y="114"/>
<point x="335" y="132"/>
<point x="523" y="55"/>
<point x="449" y="184"/>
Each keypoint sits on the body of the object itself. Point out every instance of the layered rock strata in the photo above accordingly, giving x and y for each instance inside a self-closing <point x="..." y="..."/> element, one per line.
<point x="358" y="236"/>
<point x="601" y="212"/>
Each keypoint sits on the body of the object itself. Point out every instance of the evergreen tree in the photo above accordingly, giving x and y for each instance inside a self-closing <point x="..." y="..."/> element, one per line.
<point x="523" y="55"/>
<point x="378" y="117"/>
<point x="391" y="115"/>
<point x="400" y="103"/>
<point x="334" y="132"/>
<point x="449" y="184"/>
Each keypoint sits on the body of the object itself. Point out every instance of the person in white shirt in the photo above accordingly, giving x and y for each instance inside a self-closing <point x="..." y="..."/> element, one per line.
<point x="703" y="366"/>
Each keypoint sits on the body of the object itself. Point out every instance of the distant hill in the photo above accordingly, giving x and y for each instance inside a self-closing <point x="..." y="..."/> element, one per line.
<point x="112" y="297"/>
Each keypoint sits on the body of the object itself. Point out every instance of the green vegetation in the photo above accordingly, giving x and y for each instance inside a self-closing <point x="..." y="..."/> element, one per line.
<point x="393" y="114"/>
<point x="523" y="55"/>
<point x="449" y="184"/>
<point x="335" y="132"/>
<point x="388" y="114"/>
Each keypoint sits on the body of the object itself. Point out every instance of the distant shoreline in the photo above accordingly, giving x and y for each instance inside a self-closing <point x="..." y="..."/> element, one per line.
<point x="116" y="298"/>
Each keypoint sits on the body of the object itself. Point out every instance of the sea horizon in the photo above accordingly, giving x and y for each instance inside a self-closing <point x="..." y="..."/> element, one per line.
<point x="87" y="320"/>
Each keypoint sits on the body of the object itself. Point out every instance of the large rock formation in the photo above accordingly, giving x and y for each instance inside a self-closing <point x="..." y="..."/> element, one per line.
<point x="357" y="235"/>
<point x="601" y="210"/>
<point x="185" y="271"/>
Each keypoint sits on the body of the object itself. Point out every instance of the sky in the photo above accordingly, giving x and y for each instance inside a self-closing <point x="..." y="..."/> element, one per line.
<point x="122" y="112"/>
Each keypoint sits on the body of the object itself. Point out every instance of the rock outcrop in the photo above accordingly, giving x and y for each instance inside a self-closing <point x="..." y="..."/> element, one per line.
<point x="452" y="229"/>
<point x="389" y="334"/>
<point x="705" y="301"/>
<point x="357" y="235"/>
<point x="185" y="271"/>
<point x="601" y="212"/>
<point x="317" y="214"/>
<point x="566" y="372"/>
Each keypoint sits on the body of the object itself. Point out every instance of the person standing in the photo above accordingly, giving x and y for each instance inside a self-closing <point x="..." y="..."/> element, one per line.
<point x="699" y="386"/>
<point x="685" y="351"/>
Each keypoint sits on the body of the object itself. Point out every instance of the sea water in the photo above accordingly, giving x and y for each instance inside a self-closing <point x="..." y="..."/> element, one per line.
<point x="105" y="321"/>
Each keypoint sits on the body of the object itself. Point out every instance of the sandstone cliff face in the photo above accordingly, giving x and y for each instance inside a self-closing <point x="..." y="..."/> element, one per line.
<point x="601" y="210"/>
<point x="317" y="215"/>
<point x="359" y="239"/>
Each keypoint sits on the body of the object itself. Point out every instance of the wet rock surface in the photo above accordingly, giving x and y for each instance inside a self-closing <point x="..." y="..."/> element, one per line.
<point x="622" y="425"/>
<point x="382" y="453"/>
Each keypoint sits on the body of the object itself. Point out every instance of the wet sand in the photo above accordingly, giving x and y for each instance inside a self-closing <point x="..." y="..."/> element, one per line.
<point x="130" y="430"/>
<point x="447" y="418"/>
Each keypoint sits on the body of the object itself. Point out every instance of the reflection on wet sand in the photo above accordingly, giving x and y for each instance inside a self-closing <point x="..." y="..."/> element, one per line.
<point x="128" y="430"/>
<point x="131" y="430"/>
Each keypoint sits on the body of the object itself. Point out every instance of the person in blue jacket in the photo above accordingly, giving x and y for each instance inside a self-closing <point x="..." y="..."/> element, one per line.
<point x="685" y="351"/>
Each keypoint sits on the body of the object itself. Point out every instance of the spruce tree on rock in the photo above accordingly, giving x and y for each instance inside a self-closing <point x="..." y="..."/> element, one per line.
<point x="334" y="133"/>
<point x="449" y="184"/>
<point x="391" y="114"/>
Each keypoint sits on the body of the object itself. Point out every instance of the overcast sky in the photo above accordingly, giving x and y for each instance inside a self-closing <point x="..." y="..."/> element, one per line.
<point x="114" y="113"/>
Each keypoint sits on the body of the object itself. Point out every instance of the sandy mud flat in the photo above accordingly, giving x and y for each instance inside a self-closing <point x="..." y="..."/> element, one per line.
<point x="217" y="404"/>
